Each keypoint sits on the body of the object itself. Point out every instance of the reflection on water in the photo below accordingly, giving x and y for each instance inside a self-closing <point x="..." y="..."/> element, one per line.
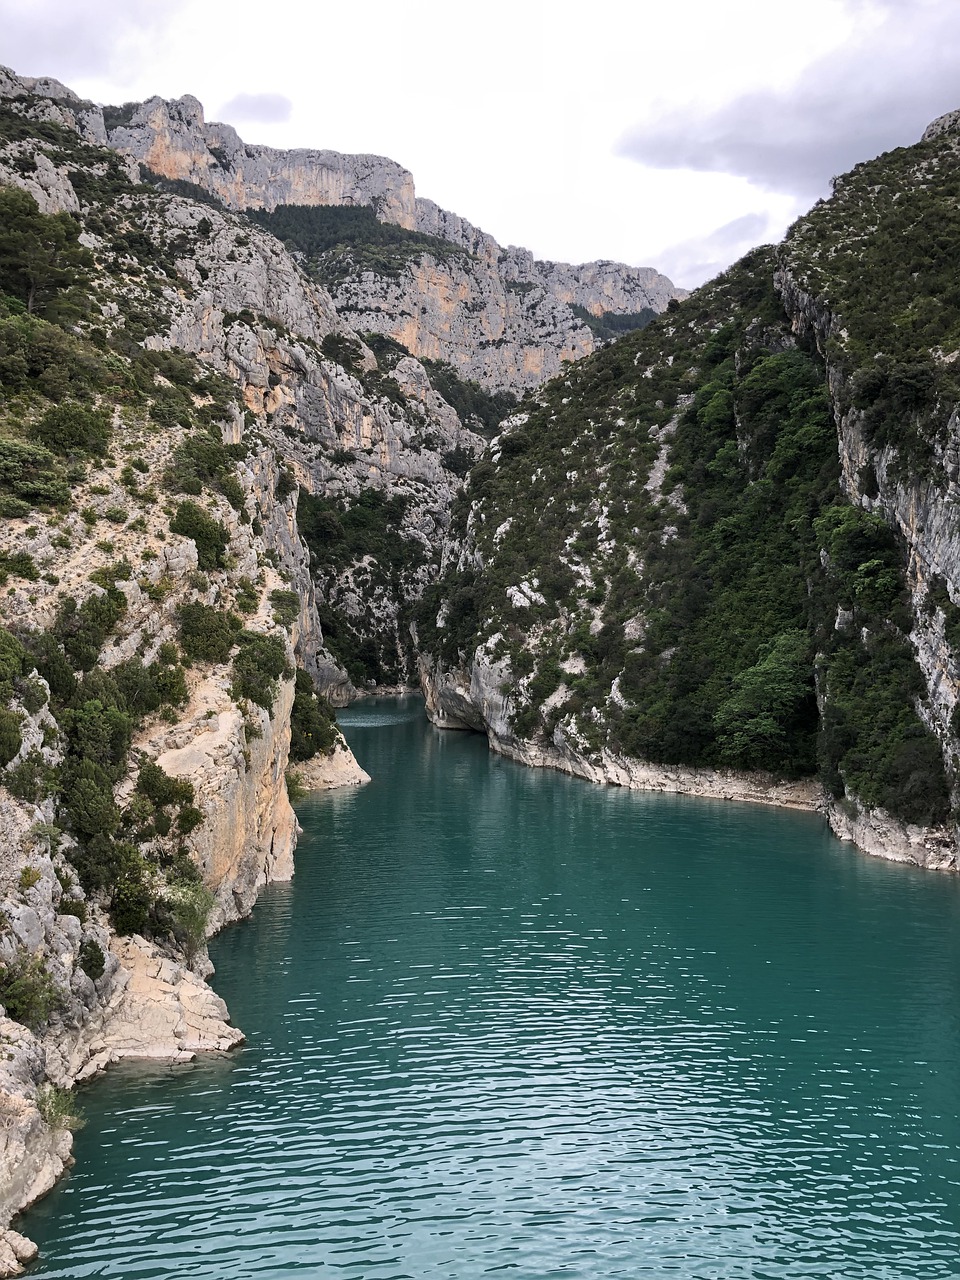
<point x="507" y="1021"/>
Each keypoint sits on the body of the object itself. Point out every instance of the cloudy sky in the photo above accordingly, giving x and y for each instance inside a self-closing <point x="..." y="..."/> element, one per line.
<point x="672" y="135"/>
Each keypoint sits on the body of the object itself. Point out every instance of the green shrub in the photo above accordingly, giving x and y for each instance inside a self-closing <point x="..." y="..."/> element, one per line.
<point x="11" y="739"/>
<point x="27" y="991"/>
<point x="73" y="428"/>
<point x="206" y="634"/>
<point x="83" y="629"/>
<point x="208" y="535"/>
<point x="259" y="664"/>
<point x="160" y="788"/>
<point x="190" y="906"/>
<point x="248" y="597"/>
<point x="313" y="727"/>
<point x="12" y="660"/>
<point x="29" y="876"/>
<point x="32" y="476"/>
<point x="132" y="898"/>
<point x="18" y="563"/>
<point x="31" y="779"/>
<point x="286" y="607"/>
<point x="59" y="1107"/>
<point x="73" y="907"/>
<point x="92" y="960"/>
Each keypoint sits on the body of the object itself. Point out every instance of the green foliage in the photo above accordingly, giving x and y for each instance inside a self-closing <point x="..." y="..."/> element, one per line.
<point x="342" y="535"/>
<point x="480" y="410"/>
<point x="313" y="726"/>
<point x="178" y="187"/>
<point x="259" y="664"/>
<point x="190" y="906"/>
<point x="612" y="324"/>
<point x="58" y="1106"/>
<point x="18" y="563"/>
<point x="72" y="428"/>
<point x="13" y="659"/>
<point x="200" y="461"/>
<point x="29" y="876"/>
<point x="30" y="476"/>
<point x="879" y="250"/>
<point x="75" y="907"/>
<point x="92" y="960"/>
<point x="286" y="607"/>
<point x="759" y="718"/>
<point x="160" y="788"/>
<point x="11" y="739"/>
<point x="31" y="779"/>
<point x="83" y="629"/>
<point x="208" y="534"/>
<point x="339" y="241"/>
<point x="27" y="991"/>
<point x="132" y="897"/>
<point x="206" y="634"/>
<point x="40" y="254"/>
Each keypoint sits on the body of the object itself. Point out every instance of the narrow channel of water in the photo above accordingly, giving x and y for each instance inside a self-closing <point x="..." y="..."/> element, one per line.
<point x="506" y="1021"/>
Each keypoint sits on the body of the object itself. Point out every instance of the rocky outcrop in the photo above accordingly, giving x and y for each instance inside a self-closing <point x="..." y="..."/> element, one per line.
<point x="456" y="699"/>
<point x="919" y="506"/>
<point x="497" y="315"/>
<point x="173" y="139"/>
<point x="156" y="1008"/>
<point x="325" y="772"/>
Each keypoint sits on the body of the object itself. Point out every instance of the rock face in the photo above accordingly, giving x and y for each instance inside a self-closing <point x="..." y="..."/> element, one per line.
<point x="497" y="315"/>
<point x="458" y="700"/>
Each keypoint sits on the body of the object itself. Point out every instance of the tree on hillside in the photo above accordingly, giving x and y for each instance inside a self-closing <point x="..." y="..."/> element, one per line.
<point x="40" y="254"/>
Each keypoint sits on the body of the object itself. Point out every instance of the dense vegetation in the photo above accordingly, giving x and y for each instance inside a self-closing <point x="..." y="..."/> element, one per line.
<point x="364" y="535"/>
<point x="611" y="325"/>
<point x="339" y="241"/>
<point x="881" y="254"/>
<point x="665" y="551"/>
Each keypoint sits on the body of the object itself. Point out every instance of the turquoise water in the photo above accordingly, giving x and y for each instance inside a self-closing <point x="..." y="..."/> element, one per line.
<point x="507" y="1022"/>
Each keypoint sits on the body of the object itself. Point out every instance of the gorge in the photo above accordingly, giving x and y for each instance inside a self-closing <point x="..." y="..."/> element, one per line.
<point x="276" y="432"/>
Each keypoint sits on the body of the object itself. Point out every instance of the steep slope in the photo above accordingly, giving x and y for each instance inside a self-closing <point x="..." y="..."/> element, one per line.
<point x="726" y="545"/>
<point x="172" y="388"/>
<point x="446" y="291"/>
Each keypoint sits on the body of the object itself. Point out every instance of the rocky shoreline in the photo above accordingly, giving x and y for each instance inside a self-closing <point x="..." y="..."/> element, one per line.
<point x="456" y="700"/>
<point x="149" y="1004"/>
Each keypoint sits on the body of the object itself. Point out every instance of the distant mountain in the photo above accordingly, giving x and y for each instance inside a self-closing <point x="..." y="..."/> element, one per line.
<point x="444" y="290"/>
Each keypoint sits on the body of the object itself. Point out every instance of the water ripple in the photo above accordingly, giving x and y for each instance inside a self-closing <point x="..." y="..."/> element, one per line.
<point x="505" y="1023"/>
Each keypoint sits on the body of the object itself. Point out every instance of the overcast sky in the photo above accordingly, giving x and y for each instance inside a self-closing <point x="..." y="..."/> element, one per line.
<point x="674" y="135"/>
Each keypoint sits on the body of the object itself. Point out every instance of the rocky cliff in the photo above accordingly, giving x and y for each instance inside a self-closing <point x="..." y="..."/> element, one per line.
<point x="498" y="316"/>
<point x="180" y="393"/>
<point x="725" y="546"/>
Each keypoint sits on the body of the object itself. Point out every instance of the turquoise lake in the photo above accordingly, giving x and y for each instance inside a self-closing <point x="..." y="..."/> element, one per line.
<point x="506" y="1022"/>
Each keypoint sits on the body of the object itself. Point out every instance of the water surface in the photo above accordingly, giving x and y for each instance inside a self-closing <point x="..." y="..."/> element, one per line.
<point x="504" y="1021"/>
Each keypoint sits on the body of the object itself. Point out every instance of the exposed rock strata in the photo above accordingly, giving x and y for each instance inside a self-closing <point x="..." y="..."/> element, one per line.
<point x="497" y="315"/>
<point x="326" y="772"/>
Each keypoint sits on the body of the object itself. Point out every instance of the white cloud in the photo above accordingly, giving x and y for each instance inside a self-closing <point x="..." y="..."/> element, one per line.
<point x="877" y="91"/>
<point x="83" y="38"/>
<point x="691" y="262"/>
<point x="256" y="108"/>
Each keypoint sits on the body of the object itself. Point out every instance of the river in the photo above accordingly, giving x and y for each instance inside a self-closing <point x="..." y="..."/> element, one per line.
<point x="505" y="1021"/>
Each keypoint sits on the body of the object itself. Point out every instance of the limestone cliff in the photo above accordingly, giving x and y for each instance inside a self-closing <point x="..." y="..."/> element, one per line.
<point x="496" y="314"/>
<point x="749" y="501"/>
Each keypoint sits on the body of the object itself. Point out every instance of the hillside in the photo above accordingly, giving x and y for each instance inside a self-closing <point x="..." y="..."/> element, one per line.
<point x="726" y="544"/>
<point x="180" y="407"/>
<point x="394" y="264"/>
<point x="718" y="555"/>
